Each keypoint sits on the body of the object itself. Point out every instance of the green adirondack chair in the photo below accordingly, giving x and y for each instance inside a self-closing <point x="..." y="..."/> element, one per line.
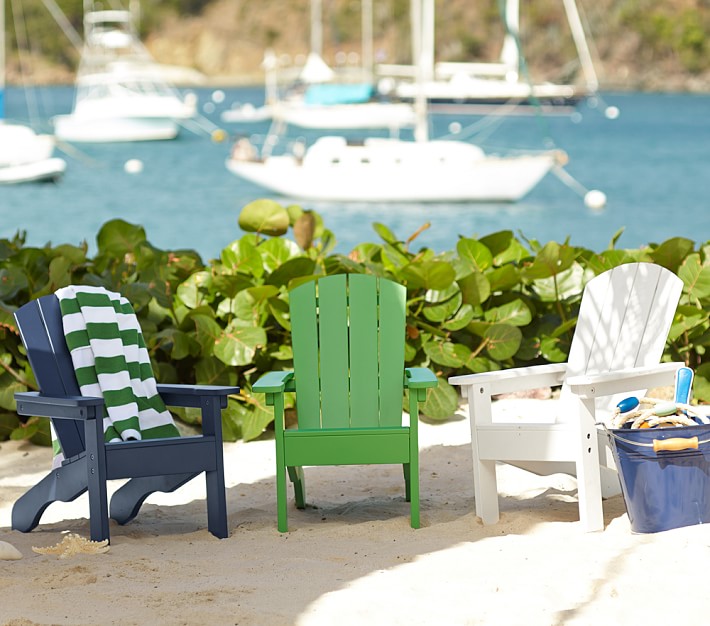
<point x="348" y="334"/>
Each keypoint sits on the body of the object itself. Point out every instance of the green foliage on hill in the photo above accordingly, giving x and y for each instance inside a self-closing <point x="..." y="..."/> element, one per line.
<point x="644" y="37"/>
<point x="492" y="303"/>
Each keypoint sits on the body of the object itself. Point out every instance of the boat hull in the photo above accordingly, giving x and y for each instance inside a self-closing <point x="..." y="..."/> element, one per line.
<point x="45" y="170"/>
<point x="488" y="179"/>
<point x="102" y="130"/>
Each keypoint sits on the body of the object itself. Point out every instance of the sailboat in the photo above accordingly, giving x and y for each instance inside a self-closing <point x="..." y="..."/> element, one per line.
<point x="317" y="97"/>
<point x="24" y="155"/>
<point x="394" y="170"/>
<point x="121" y="94"/>
<point x="457" y="87"/>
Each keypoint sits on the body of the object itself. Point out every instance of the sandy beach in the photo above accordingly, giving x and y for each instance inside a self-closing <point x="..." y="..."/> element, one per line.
<point x="351" y="556"/>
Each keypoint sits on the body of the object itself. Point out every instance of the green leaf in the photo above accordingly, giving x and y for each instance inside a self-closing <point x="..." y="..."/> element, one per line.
<point x="253" y="418"/>
<point x="12" y="281"/>
<point x="515" y="312"/>
<point x="436" y="275"/>
<point x="207" y="332"/>
<point x="8" y="423"/>
<point x="243" y="256"/>
<point x="385" y="233"/>
<point x="475" y="289"/>
<point x="238" y="343"/>
<point x="443" y="352"/>
<point x="441" y="402"/>
<point x="504" y="247"/>
<point x="504" y="278"/>
<point x="671" y="252"/>
<point x="43" y="435"/>
<point x="211" y="371"/>
<point x="462" y="318"/>
<point x="264" y="216"/>
<point x="503" y="341"/>
<point x="553" y="259"/>
<point x="293" y="268"/>
<point x="564" y="285"/>
<point x="275" y="252"/>
<point x="441" y="305"/>
<point x="117" y="238"/>
<point x="554" y="349"/>
<point x="7" y="395"/>
<point x="696" y="277"/>
<point x="475" y="256"/>
<point x="192" y="291"/>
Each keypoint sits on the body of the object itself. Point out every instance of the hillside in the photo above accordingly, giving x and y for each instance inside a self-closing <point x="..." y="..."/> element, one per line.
<point x="638" y="44"/>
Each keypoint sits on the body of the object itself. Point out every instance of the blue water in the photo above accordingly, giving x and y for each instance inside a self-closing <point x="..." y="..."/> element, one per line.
<point x="653" y="163"/>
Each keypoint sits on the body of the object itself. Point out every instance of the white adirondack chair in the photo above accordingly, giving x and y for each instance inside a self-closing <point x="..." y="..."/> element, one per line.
<point x="623" y="324"/>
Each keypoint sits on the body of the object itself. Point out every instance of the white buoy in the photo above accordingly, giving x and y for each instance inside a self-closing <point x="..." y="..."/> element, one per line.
<point x="611" y="112"/>
<point x="133" y="166"/>
<point x="208" y="107"/>
<point x="595" y="199"/>
<point x="455" y="128"/>
<point x="218" y="96"/>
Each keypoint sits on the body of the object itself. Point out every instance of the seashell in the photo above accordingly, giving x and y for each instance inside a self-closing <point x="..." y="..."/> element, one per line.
<point x="662" y="409"/>
<point x="8" y="552"/>
<point x="628" y="404"/>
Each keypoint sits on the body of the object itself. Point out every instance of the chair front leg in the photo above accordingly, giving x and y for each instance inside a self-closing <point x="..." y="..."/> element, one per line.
<point x="217" y="522"/>
<point x="485" y="484"/>
<point x="96" y="479"/>
<point x="589" y="490"/>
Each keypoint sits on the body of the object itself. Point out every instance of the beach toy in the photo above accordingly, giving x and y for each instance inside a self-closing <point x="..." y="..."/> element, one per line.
<point x="684" y="385"/>
<point x="664" y="409"/>
<point x="628" y="404"/>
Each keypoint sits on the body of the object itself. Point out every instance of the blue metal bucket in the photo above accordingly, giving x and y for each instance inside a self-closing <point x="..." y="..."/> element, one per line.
<point x="663" y="489"/>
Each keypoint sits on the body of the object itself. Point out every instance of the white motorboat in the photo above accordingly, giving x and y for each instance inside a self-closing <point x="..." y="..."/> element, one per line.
<point x="26" y="156"/>
<point x="121" y="94"/>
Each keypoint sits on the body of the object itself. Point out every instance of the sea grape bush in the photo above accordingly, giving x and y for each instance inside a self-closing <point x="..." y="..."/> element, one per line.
<point x="493" y="302"/>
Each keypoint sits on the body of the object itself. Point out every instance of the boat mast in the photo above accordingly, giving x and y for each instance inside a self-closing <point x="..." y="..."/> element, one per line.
<point x="368" y="57"/>
<point x="422" y="16"/>
<point x="317" y="27"/>
<point x="580" y="41"/>
<point x="510" y="53"/>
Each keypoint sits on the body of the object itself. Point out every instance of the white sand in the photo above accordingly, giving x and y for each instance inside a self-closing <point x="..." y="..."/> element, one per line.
<point x="353" y="559"/>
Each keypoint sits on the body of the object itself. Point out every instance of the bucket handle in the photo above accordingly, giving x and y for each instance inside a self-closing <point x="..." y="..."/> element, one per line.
<point x="674" y="444"/>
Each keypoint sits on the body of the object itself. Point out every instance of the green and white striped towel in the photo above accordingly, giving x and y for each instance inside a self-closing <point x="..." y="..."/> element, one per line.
<point x="111" y="361"/>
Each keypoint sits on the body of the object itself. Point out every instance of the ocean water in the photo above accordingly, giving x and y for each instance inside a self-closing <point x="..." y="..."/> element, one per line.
<point x="652" y="162"/>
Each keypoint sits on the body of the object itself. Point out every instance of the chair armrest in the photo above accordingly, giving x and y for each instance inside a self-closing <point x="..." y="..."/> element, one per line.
<point x="516" y="379"/>
<point x="623" y="380"/>
<point x="192" y="395"/>
<point x="419" y="378"/>
<point x="64" y="407"/>
<point x="273" y="382"/>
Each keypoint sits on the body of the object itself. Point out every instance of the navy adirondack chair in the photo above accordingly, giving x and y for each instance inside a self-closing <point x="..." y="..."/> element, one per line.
<point x="152" y="465"/>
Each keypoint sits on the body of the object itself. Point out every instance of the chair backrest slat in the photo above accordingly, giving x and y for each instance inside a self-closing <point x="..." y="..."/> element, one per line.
<point x="348" y="344"/>
<point x="392" y="327"/>
<point x="333" y="340"/>
<point x="304" y="322"/>
<point x="40" y="326"/>
<point x="363" y="310"/>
